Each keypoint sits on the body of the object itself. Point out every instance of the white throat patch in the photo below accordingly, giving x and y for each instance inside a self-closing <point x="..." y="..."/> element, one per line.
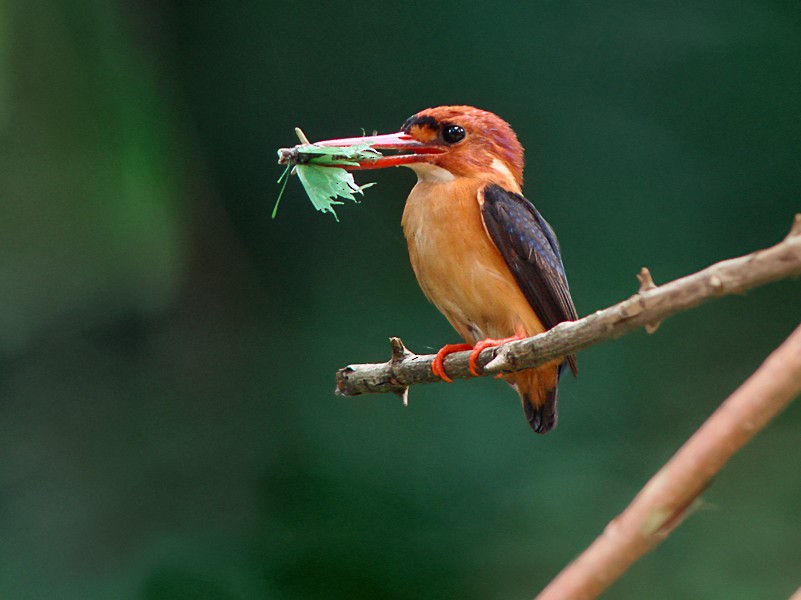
<point x="431" y="173"/>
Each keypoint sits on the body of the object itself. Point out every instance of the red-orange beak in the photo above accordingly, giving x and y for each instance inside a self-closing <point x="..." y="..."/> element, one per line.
<point x="411" y="150"/>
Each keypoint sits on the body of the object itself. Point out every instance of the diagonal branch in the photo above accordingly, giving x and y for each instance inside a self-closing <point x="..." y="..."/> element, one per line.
<point x="672" y="493"/>
<point x="647" y="309"/>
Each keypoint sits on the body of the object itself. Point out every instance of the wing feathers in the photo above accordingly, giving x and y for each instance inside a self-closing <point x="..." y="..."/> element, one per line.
<point x="530" y="249"/>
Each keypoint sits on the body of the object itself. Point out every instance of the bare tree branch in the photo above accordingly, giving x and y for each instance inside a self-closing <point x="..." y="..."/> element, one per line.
<point x="647" y="309"/>
<point x="670" y="495"/>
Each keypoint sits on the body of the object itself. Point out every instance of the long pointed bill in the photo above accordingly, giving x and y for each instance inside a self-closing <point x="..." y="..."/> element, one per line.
<point x="411" y="150"/>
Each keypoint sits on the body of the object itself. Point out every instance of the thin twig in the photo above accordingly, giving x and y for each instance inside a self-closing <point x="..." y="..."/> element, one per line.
<point x="649" y="307"/>
<point x="670" y="495"/>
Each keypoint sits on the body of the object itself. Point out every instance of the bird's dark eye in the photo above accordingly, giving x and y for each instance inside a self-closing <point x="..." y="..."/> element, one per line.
<point x="452" y="134"/>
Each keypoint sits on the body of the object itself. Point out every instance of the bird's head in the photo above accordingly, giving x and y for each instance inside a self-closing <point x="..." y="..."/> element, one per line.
<point x="461" y="140"/>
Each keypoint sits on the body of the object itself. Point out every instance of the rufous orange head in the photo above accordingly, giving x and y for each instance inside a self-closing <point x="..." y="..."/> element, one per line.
<point x="465" y="141"/>
<point x="474" y="142"/>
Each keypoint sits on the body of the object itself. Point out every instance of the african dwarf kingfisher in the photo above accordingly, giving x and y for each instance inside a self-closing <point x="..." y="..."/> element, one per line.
<point x="482" y="253"/>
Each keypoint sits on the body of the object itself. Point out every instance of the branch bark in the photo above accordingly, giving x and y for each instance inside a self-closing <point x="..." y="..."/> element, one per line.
<point x="670" y="495"/>
<point x="649" y="307"/>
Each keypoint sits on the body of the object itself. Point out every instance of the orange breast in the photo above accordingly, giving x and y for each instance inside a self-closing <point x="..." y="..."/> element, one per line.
<point x="458" y="267"/>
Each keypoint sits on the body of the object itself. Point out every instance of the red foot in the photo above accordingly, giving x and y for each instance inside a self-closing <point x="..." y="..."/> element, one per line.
<point x="438" y="367"/>
<point x="483" y="345"/>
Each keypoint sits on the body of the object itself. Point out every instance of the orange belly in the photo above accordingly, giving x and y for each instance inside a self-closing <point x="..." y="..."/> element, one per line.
<point x="458" y="267"/>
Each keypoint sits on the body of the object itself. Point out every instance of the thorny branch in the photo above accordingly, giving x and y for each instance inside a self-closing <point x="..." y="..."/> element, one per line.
<point x="647" y="309"/>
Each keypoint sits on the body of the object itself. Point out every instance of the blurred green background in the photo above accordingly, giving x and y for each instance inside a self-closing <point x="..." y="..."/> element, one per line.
<point x="167" y="423"/>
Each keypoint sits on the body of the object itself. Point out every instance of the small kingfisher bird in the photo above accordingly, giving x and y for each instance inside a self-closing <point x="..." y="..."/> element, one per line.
<point x="482" y="253"/>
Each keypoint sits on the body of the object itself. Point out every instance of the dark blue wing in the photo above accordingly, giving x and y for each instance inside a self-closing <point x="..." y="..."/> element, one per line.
<point x="529" y="247"/>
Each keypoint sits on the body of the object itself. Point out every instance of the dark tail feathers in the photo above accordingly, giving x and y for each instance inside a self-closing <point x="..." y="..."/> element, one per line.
<point x="541" y="418"/>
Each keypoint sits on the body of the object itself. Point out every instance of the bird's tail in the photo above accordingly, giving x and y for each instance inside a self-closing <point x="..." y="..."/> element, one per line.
<point x="537" y="389"/>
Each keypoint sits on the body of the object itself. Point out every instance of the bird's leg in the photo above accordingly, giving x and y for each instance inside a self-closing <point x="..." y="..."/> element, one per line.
<point x="488" y="343"/>
<point x="438" y="367"/>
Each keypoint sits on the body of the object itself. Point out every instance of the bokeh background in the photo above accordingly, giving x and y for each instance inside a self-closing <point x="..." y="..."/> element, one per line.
<point x="168" y="428"/>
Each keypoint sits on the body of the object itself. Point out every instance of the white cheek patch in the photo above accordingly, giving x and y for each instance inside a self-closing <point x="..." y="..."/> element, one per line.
<point x="431" y="173"/>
